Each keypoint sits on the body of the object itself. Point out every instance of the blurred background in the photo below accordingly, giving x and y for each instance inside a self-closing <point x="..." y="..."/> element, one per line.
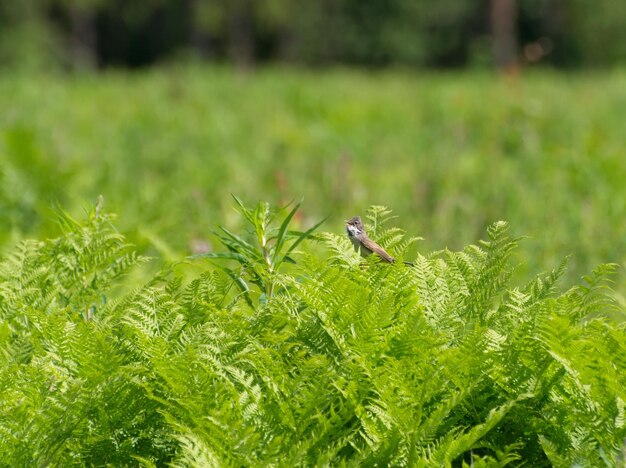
<point x="372" y="33"/>
<point x="454" y="114"/>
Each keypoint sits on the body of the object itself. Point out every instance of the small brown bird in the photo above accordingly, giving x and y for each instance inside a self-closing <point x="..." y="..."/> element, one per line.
<point x="366" y="246"/>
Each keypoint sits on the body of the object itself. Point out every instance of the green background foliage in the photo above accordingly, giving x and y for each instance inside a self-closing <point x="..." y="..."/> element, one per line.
<point x="450" y="153"/>
<point x="101" y="33"/>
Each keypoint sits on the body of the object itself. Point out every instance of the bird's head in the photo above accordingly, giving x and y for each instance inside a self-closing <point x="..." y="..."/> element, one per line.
<point x="355" y="228"/>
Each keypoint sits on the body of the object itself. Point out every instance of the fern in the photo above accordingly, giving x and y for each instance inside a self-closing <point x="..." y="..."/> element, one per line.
<point x="334" y="360"/>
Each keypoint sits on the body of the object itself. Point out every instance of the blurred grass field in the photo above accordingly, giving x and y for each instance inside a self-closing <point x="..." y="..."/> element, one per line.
<point x="449" y="153"/>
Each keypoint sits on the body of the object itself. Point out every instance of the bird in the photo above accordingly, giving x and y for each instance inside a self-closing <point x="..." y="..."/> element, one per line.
<point x="366" y="246"/>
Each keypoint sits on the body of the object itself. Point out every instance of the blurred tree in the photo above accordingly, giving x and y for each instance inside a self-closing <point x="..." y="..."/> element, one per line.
<point x="204" y="18"/>
<point x="503" y="19"/>
<point x="275" y="27"/>
<point x="441" y="31"/>
<point x="600" y="30"/>
<point x="382" y="32"/>
<point x="86" y="33"/>
<point x="83" y="34"/>
<point x="141" y="33"/>
<point x="241" y="27"/>
<point x="28" y="40"/>
<point x="240" y="32"/>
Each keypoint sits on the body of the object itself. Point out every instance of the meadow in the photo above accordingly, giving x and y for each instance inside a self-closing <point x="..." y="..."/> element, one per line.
<point x="449" y="153"/>
<point x="194" y="328"/>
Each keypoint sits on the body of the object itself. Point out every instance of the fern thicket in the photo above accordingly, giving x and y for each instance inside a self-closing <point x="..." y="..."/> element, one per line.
<point x="334" y="361"/>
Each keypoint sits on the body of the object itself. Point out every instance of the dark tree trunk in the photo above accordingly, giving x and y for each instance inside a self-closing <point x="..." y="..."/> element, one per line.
<point x="199" y="40"/>
<point x="241" y="34"/>
<point x="503" y="18"/>
<point x="84" y="38"/>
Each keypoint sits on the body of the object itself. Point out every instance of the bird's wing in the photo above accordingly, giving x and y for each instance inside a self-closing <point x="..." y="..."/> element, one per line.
<point x="369" y="244"/>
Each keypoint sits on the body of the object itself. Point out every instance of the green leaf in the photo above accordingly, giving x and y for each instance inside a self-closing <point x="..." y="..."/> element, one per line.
<point x="223" y="255"/>
<point x="246" y="212"/>
<point x="280" y="238"/>
<point x="241" y="243"/>
<point x="304" y="235"/>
